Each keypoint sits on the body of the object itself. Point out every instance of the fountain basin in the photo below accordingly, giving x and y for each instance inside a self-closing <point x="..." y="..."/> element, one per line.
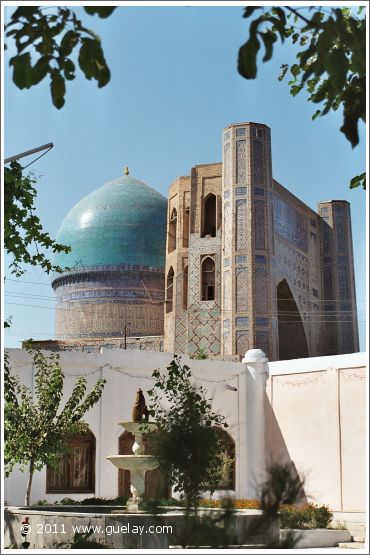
<point x="134" y="463"/>
<point x="139" y="428"/>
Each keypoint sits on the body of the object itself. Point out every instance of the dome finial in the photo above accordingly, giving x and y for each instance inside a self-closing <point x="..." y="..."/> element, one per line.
<point x="125" y="171"/>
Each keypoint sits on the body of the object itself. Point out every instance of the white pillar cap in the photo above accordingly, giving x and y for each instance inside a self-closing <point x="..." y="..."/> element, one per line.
<point x="255" y="355"/>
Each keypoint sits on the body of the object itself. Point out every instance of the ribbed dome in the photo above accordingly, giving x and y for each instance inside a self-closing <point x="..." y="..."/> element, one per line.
<point x="123" y="222"/>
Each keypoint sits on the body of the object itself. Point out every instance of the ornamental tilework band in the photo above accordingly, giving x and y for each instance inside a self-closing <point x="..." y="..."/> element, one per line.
<point x="241" y="289"/>
<point x="227" y="165"/>
<point x="241" y="224"/>
<point x="258" y="163"/>
<point x="241" y="162"/>
<point x="227" y="228"/>
<point x="343" y="283"/>
<point x="261" y="294"/>
<point x="259" y="224"/>
<point x="227" y="304"/>
<point x="341" y="236"/>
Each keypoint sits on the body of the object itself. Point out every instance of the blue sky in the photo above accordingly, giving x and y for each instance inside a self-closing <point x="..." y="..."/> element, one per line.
<point x="174" y="87"/>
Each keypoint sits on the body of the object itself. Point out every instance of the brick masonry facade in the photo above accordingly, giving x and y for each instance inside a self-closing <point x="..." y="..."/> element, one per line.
<point x="283" y="275"/>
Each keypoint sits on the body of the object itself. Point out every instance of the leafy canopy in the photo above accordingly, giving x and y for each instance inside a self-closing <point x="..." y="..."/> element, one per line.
<point x="45" y="38"/>
<point x="36" y="425"/>
<point x="330" y="63"/>
<point x="22" y="228"/>
<point x="187" y="443"/>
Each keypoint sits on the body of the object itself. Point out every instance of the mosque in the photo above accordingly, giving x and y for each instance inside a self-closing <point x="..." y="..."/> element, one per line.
<point x="232" y="261"/>
<point x="232" y="266"/>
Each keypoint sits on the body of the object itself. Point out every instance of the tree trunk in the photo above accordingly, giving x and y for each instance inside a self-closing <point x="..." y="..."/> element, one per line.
<point x="29" y="483"/>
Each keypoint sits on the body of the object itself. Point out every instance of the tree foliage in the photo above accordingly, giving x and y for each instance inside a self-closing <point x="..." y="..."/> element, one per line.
<point x="187" y="444"/>
<point x="22" y="228"/>
<point x="36" y="426"/>
<point x="45" y="38"/>
<point x="330" y="63"/>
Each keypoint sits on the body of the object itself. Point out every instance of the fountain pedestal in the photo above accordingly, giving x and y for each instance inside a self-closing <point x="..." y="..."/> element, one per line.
<point x="138" y="463"/>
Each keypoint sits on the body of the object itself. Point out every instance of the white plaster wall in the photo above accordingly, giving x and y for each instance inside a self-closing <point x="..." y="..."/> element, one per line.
<point x="125" y="372"/>
<point x="310" y="418"/>
<point x="315" y="414"/>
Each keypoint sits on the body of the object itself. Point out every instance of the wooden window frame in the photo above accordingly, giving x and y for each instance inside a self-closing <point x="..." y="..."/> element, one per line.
<point x="79" y="440"/>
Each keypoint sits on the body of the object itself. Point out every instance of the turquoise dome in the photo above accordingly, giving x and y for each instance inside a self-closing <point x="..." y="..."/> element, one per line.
<point x="123" y="222"/>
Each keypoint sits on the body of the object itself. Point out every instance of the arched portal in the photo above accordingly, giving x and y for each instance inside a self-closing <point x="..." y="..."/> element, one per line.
<point x="156" y="485"/>
<point x="292" y="337"/>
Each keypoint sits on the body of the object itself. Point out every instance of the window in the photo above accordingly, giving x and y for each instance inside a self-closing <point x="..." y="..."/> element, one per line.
<point x="209" y="216"/>
<point x="185" y="288"/>
<point x="169" y="290"/>
<point x="76" y="469"/>
<point x="172" y="231"/>
<point x="208" y="279"/>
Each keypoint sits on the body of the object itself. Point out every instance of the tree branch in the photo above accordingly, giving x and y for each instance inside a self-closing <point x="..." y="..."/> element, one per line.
<point x="308" y="21"/>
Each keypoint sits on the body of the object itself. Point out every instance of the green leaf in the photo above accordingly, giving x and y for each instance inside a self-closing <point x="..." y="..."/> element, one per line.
<point x="358" y="181"/>
<point x="101" y="11"/>
<point x="57" y="89"/>
<point x="284" y="68"/>
<point x="69" y="69"/>
<point x="22" y="70"/>
<point x="337" y="66"/>
<point x="40" y="70"/>
<point x="295" y="70"/>
<point x="295" y="89"/>
<point x="316" y="114"/>
<point x="247" y="60"/>
<point x="268" y="40"/>
<point x="86" y="58"/>
<point x="68" y="42"/>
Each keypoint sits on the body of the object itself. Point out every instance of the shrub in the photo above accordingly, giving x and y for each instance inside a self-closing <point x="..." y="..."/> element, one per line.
<point x="235" y="503"/>
<point x="305" y="517"/>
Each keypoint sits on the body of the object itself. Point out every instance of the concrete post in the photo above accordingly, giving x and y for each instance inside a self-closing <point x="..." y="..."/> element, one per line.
<point x="256" y="374"/>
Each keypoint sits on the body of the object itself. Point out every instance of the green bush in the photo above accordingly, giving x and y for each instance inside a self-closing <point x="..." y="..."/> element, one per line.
<point x="305" y="517"/>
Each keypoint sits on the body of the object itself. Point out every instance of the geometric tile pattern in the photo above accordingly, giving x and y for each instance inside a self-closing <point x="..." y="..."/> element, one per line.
<point x="203" y="316"/>
<point x="241" y="224"/>
<point x="241" y="290"/>
<point x="259" y="224"/>
<point x="240" y="162"/>
<point x="289" y="223"/>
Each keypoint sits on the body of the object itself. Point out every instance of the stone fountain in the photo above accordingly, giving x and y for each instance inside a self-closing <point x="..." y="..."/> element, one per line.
<point x="138" y="463"/>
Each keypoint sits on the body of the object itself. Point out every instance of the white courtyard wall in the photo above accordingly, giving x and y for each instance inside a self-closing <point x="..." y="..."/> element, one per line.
<point x="314" y="417"/>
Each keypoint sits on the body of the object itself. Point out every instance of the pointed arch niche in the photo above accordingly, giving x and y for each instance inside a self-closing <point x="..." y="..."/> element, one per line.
<point x="208" y="279"/>
<point x="292" y="337"/>
<point x="209" y="216"/>
<point x="169" y="290"/>
<point x="172" y="231"/>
